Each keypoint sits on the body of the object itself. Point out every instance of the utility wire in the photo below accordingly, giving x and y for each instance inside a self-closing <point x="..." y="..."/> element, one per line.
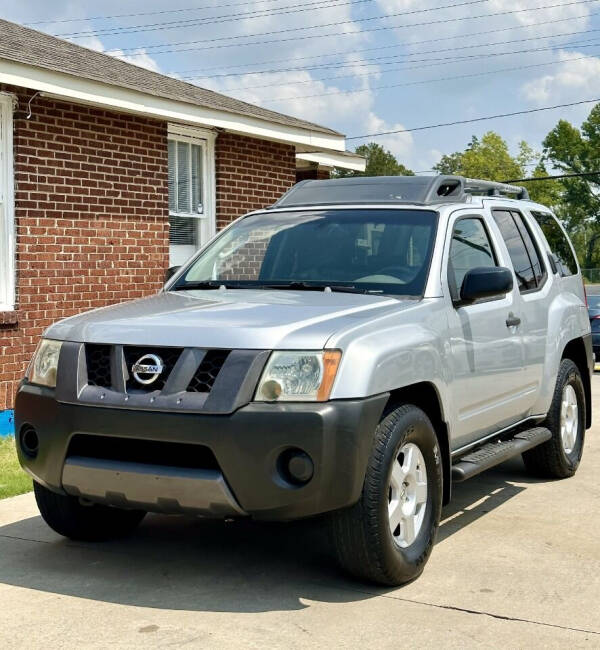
<point x="427" y="81"/>
<point x="428" y="63"/>
<point x="551" y="178"/>
<point x="208" y="20"/>
<point x="147" y="13"/>
<point x="475" y="119"/>
<point x="383" y="60"/>
<point x="337" y="34"/>
<point x="369" y="49"/>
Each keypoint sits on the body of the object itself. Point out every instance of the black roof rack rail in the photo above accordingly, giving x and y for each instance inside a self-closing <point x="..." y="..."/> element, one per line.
<point x="415" y="190"/>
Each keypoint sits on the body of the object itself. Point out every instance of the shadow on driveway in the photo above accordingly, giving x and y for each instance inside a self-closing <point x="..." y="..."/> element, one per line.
<point x="191" y="564"/>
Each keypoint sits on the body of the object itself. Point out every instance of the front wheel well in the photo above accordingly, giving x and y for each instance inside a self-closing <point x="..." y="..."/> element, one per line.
<point x="425" y="396"/>
<point x="576" y="351"/>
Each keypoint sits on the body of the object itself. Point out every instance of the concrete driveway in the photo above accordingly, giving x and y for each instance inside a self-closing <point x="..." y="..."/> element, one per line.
<point x="517" y="565"/>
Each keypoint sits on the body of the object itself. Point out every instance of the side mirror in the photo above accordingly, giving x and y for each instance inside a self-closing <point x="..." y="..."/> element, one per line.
<point x="170" y="272"/>
<point x="486" y="282"/>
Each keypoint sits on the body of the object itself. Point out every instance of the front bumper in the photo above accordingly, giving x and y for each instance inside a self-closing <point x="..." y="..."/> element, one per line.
<point x="246" y="444"/>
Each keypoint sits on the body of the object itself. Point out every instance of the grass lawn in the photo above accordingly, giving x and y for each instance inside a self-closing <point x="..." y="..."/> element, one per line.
<point x="13" y="479"/>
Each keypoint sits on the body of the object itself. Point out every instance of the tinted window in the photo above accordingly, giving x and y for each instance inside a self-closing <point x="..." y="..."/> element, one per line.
<point x="558" y="242"/>
<point x="593" y="302"/>
<point x="532" y="250"/>
<point x="470" y="248"/>
<point x="380" y="251"/>
<point x="516" y="249"/>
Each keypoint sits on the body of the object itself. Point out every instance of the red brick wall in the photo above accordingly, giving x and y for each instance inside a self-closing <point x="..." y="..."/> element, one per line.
<point x="312" y="174"/>
<point x="251" y="174"/>
<point x="91" y="213"/>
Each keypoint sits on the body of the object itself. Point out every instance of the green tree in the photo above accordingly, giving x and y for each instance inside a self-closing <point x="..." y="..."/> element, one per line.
<point x="577" y="151"/>
<point x="488" y="158"/>
<point x="380" y="162"/>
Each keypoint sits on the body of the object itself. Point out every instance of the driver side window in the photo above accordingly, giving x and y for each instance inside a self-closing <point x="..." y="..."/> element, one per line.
<point x="470" y="248"/>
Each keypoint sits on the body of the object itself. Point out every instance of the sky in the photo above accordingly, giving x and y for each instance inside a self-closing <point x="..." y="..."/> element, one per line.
<point x="360" y="66"/>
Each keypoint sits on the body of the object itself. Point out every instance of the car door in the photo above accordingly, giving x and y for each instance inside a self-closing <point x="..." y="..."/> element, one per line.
<point x="485" y="343"/>
<point x="534" y="289"/>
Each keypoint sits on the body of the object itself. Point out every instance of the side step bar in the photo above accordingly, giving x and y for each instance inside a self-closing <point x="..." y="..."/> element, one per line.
<point x="495" y="453"/>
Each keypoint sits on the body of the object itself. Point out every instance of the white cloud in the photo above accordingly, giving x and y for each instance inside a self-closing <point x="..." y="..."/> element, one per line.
<point x="570" y="80"/>
<point x="400" y="144"/>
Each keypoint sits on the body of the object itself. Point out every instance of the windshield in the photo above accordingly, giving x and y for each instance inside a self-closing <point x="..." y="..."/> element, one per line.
<point x="370" y="251"/>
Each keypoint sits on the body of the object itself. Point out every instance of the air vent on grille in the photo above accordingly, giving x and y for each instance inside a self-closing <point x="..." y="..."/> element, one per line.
<point x="168" y="356"/>
<point x="207" y="372"/>
<point x="98" y="365"/>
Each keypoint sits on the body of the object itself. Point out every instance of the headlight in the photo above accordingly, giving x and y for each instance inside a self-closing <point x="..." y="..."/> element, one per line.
<point x="298" y="376"/>
<point x="43" y="366"/>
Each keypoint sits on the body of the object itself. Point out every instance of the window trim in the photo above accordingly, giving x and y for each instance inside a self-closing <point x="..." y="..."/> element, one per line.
<point x="206" y="139"/>
<point x="457" y="302"/>
<point x="541" y="259"/>
<point x="7" y="206"/>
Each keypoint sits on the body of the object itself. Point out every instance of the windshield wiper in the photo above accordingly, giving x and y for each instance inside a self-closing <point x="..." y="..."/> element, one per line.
<point x="205" y="284"/>
<point x="304" y="286"/>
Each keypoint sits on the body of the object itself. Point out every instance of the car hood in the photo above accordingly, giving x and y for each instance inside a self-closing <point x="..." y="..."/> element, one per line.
<point x="232" y="318"/>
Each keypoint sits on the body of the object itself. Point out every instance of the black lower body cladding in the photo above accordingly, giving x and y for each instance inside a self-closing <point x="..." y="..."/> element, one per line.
<point x="248" y="445"/>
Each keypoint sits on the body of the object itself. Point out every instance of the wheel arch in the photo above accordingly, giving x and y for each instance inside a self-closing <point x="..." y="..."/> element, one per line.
<point x="577" y="352"/>
<point x="425" y="396"/>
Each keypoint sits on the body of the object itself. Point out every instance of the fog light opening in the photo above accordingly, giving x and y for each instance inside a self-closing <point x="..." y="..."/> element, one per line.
<point x="296" y="466"/>
<point x="29" y="441"/>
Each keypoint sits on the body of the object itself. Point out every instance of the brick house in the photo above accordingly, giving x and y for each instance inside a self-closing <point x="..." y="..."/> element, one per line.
<point x="110" y="173"/>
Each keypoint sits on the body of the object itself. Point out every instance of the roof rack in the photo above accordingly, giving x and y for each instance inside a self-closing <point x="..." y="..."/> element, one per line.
<point x="414" y="190"/>
<point x="493" y="188"/>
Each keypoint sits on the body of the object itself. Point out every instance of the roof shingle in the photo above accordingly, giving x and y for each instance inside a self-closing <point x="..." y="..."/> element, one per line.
<point x="31" y="47"/>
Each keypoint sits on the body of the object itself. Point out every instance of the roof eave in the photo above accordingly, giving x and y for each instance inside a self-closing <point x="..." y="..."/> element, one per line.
<point x="79" y="90"/>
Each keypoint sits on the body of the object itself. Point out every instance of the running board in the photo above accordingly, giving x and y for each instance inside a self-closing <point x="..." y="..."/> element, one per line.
<point x="494" y="453"/>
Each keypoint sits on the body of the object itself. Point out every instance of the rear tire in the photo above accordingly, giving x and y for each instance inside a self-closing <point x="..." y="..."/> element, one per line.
<point x="560" y="456"/>
<point x="404" y="476"/>
<point x="91" y="523"/>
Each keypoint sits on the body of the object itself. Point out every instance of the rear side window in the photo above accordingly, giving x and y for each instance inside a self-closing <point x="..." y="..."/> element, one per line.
<point x="523" y="252"/>
<point x="558" y="242"/>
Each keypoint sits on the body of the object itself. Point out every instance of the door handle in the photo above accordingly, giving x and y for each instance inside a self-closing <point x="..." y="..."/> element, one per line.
<point x="512" y="320"/>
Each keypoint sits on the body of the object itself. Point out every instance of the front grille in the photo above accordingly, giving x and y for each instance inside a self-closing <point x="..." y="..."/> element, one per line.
<point x="133" y="354"/>
<point x="98" y="365"/>
<point x="148" y="452"/>
<point x="208" y="370"/>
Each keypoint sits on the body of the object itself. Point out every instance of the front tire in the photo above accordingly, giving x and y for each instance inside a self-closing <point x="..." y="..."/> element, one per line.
<point x="560" y="456"/>
<point x="91" y="523"/>
<point x="388" y="535"/>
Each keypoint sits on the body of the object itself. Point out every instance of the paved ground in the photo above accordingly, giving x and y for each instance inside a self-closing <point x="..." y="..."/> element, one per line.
<point x="517" y="565"/>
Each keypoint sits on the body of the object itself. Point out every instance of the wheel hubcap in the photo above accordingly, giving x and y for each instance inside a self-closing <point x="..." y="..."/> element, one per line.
<point x="407" y="496"/>
<point x="569" y="419"/>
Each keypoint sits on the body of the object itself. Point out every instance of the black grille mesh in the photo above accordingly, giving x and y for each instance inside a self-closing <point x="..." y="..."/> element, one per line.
<point x="203" y="380"/>
<point x="98" y="365"/>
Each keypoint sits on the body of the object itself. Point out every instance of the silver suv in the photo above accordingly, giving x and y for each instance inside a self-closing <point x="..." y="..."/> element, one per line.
<point x="350" y="351"/>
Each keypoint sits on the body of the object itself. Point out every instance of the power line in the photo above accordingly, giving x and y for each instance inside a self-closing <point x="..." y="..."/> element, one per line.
<point x="147" y="13"/>
<point x="426" y="81"/>
<point x="436" y="61"/>
<point x="369" y="49"/>
<point x="381" y="60"/>
<point x="208" y="20"/>
<point x="475" y="119"/>
<point x="551" y="178"/>
<point x="337" y="34"/>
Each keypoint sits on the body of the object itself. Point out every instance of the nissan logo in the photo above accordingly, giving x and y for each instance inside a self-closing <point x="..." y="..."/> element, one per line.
<point x="147" y="369"/>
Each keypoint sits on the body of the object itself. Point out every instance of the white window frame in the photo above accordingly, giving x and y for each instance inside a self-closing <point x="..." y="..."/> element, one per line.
<point x="206" y="139"/>
<point x="7" y="206"/>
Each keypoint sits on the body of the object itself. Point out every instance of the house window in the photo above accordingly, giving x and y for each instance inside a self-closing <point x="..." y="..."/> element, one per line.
<point x="191" y="191"/>
<point x="7" y="216"/>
